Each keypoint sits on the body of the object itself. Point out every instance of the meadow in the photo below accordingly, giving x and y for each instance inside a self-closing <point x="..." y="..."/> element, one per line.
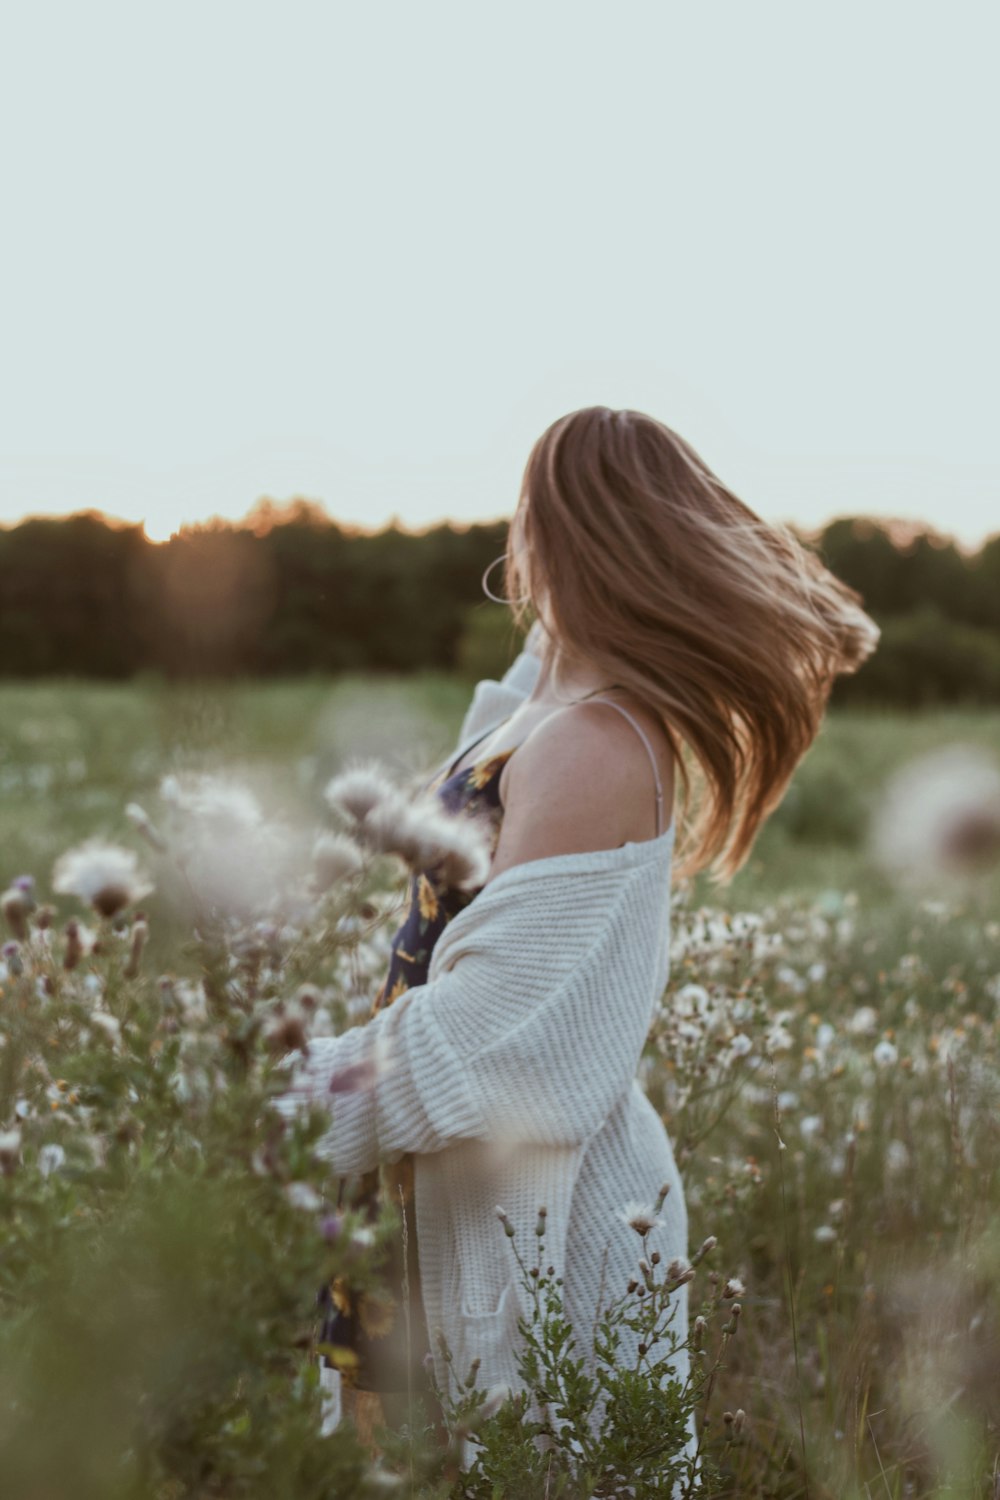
<point x="825" y="1058"/>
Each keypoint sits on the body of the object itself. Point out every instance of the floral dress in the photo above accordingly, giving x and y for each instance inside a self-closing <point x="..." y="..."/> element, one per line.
<point x="368" y="1332"/>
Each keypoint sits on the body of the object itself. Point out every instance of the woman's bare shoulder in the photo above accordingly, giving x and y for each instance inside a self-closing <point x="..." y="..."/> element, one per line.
<point x="581" y="780"/>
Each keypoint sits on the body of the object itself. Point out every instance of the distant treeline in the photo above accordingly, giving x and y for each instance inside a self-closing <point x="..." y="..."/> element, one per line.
<point x="289" y="591"/>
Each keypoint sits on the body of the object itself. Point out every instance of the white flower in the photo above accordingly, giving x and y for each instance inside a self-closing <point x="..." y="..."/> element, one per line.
<point x="864" y="1021"/>
<point x="789" y="977"/>
<point x="816" y="973"/>
<point x="335" y="858"/>
<point x="106" y="1022"/>
<point x="236" y="863"/>
<point x="10" y="1150"/>
<point x="641" y="1217"/>
<point x="897" y="1156"/>
<point x="103" y="874"/>
<point x="50" y="1158"/>
<point x="824" y="1234"/>
<point x="825" y="1034"/>
<point x="811" y="1125"/>
<point x="940" y="815"/>
<point x="692" y="999"/>
<point x="359" y="789"/>
<point x="740" y="1045"/>
<point x="885" y="1054"/>
<point x="778" y="1039"/>
<point x="301" y="1195"/>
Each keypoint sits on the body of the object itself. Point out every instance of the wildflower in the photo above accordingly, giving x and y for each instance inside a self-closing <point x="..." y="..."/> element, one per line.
<point x="10" y="1150"/>
<point x="106" y="1022"/>
<point x="233" y="859"/>
<point x="692" y="999"/>
<point x="301" y="1195"/>
<point x="452" y="847"/>
<point x="824" y="1234"/>
<point x="940" y="814"/>
<point x="358" y="790"/>
<point x="144" y="825"/>
<point x="885" y="1053"/>
<point x="213" y="799"/>
<point x="104" y="875"/>
<point x="286" y="1031"/>
<point x="864" y="1021"/>
<point x="137" y="941"/>
<point x="897" y="1156"/>
<point x="495" y="1398"/>
<point x="811" y="1125"/>
<point x="335" y="857"/>
<point x="740" y="1045"/>
<point x="51" y="1157"/>
<point x="17" y="903"/>
<point x="640" y="1217"/>
<point x="778" y="1039"/>
<point x="13" y="961"/>
<point x="733" y="1288"/>
<point x="330" y="1227"/>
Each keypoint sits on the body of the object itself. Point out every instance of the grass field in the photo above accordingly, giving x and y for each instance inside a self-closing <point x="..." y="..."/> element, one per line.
<point x="829" y="1073"/>
<point x="72" y="754"/>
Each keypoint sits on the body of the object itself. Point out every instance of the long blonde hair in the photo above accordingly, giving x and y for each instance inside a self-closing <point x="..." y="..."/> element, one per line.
<point x="726" y="626"/>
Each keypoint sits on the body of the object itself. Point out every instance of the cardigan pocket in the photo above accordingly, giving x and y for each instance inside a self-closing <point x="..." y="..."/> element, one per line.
<point x="490" y="1337"/>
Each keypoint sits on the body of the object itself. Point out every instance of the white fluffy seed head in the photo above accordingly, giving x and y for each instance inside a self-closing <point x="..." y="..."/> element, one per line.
<point x="335" y="857"/>
<point x="104" y="875"/>
<point x="358" y="789"/>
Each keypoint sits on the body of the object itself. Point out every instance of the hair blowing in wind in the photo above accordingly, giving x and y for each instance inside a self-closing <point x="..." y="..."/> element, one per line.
<point x="642" y="563"/>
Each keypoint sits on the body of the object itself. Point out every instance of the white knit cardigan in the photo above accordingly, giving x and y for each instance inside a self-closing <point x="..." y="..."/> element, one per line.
<point x="512" y="1074"/>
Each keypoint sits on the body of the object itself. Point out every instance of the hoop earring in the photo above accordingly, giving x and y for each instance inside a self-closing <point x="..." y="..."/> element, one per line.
<point x="525" y="599"/>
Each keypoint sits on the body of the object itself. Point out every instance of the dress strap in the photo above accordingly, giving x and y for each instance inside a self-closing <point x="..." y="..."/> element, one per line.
<point x="645" y="740"/>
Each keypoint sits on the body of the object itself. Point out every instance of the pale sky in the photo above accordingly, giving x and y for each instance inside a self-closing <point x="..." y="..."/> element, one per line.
<point x="365" y="254"/>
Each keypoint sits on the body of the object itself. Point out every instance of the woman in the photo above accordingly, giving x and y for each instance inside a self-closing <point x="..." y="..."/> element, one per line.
<point x="506" y="1036"/>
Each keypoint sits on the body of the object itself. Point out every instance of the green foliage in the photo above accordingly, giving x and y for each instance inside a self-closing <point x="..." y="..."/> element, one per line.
<point x="488" y="643"/>
<point x="291" y="592"/>
<point x="923" y="660"/>
<point x="826" y="1066"/>
<point x="609" y="1429"/>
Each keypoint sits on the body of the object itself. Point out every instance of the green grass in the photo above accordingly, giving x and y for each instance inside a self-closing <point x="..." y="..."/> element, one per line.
<point x="872" y="1212"/>
<point x="73" y="753"/>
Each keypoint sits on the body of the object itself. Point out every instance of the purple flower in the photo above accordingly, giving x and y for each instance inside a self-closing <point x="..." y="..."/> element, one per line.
<point x="330" y="1226"/>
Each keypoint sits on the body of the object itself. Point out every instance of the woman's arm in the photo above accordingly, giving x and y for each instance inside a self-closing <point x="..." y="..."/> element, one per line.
<point x="520" y="1038"/>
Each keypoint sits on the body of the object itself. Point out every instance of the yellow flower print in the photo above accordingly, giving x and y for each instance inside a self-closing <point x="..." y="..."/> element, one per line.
<point x="480" y="774"/>
<point x="345" y="1359"/>
<point x="427" y="899"/>
<point x="377" y="1314"/>
<point x="399" y="988"/>
<point x="340" y="1296"/>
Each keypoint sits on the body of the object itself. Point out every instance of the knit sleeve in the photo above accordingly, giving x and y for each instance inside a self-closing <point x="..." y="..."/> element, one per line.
<point x="531" y="1034"/>
<point x="491" y="699"/>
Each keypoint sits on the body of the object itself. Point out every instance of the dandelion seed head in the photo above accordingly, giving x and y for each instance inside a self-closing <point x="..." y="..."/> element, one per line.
<point x="641" y="1217"/>
<point x="104" y="875"/>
